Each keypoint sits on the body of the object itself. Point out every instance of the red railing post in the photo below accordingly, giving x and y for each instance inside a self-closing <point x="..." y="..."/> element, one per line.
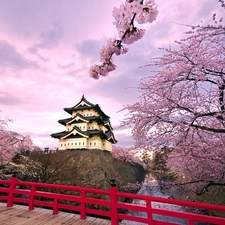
<point x="114" y="201"/>
<point x="191" y="222"/>
<point x="12" y="188"/>
<point x="150" y="217"/>
<point x="32" y="195"/>
<point x="55" y="206"/>
<point x="83" y="205"/>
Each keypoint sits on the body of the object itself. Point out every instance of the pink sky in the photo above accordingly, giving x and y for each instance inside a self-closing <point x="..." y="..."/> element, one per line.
<point x="47" y="48"/>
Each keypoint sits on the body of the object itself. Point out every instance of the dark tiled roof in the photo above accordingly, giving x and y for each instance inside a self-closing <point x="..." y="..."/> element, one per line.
<point x="88" y="106"/>
<point x="64" y="133"/>
<point x="98" y="119"/>
<point x="60" y="134"/>
<point x="84" y="100"/>
<point x="108" y="136"/>
<point x="64" y="121"/>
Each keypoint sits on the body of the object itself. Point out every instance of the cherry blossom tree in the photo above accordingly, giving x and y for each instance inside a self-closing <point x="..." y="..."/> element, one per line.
<point x="11" y="142"/>
<point x="124" y="154"/>
<point x="182" y="107"/>
<point x="140" y="11"/>
<point x="135" y="155"/>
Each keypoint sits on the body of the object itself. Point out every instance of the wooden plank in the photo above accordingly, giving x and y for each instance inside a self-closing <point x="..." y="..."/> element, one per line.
<point x="30" y="217"/>
<point x="88" y="220"/>
<point x="96" y="221"/>
<point x="20" y="215"/>
<point x="4" y="209"/>
<point x="71" y="220"/>
<point x="16" y="219"/>
<point x="59" y="219"/>
<point x="106" y="222"/>
<point x="11" y="216"/>
<point x="39" y="217"/>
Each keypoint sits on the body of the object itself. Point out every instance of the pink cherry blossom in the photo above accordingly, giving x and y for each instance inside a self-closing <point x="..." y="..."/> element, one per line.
<point x="132" y="10"/>
<point x="182" y="107"/>
<point x="133" y="36"/>
<point x="12" y="142"/>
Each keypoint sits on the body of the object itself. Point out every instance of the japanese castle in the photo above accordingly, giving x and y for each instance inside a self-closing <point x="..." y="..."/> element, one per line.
<point x="87" y="128"/>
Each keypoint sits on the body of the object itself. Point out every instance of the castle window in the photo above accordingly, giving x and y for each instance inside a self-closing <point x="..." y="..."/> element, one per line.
<point x="94" y="143"/>
<point x="75" y="143"/>
<point x="90" y="143"/>
<point x="79" y="143"/>
<point x="61" y="145"/>
<point x="71" y="143"/>
<point x="68" y="144"/>
<point x="83" y="143"/>
<point x="65" y="144"/>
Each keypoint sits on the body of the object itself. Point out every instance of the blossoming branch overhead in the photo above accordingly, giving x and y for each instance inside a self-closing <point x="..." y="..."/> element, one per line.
<point x="132" y="10"/>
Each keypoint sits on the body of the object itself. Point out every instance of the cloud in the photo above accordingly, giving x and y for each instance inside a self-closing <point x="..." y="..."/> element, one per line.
<point x="34" y="50"/>
<point x="11" y="58"/>
<point x="90" y="48"/>
<point x="124" y="140"/>
<point x="65" y="67"/>
<point x="9" y="99"/>
<point x="50" y="38"/>
<point x="123" y="92"/>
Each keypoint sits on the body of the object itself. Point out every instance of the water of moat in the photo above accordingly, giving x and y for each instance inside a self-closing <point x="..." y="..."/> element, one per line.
<point x="151" y="187"/>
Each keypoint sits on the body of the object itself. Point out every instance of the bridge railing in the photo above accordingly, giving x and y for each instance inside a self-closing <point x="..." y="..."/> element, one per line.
<point x="76" y="199"/>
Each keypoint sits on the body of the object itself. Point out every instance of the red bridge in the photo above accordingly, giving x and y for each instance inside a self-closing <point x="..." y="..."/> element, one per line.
<point x="87" y="201"/>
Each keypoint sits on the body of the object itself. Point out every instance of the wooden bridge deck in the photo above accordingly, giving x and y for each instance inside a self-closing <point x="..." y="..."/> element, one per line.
<point x="20" y="215"/>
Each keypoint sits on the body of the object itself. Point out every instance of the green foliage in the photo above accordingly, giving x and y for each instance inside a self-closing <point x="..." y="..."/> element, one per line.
<point x="87" y="168"/>
<point x="16" y="158"/>
<point x="159" y="166"/>
<point x="216" y="195"/>
<point x="146" y="158"/>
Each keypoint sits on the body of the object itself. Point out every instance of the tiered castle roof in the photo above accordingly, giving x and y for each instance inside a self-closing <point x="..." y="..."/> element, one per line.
<point x="79" y="125"/>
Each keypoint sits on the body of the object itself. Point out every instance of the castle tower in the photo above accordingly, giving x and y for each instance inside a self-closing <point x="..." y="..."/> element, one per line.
<point x="87" y="128"/>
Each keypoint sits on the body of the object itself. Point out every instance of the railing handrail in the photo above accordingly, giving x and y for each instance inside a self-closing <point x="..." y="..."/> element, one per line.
<point x="60" y="186"/>
<point x="14" y="188"/>
<point x="172" y="201"/>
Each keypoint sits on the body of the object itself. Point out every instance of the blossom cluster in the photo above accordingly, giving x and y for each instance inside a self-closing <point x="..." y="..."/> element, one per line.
<point x="113" y="47"/>
<point x="132" y="10"/>
<point x="103" y="70"/>
<point x="133" y="35"/>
